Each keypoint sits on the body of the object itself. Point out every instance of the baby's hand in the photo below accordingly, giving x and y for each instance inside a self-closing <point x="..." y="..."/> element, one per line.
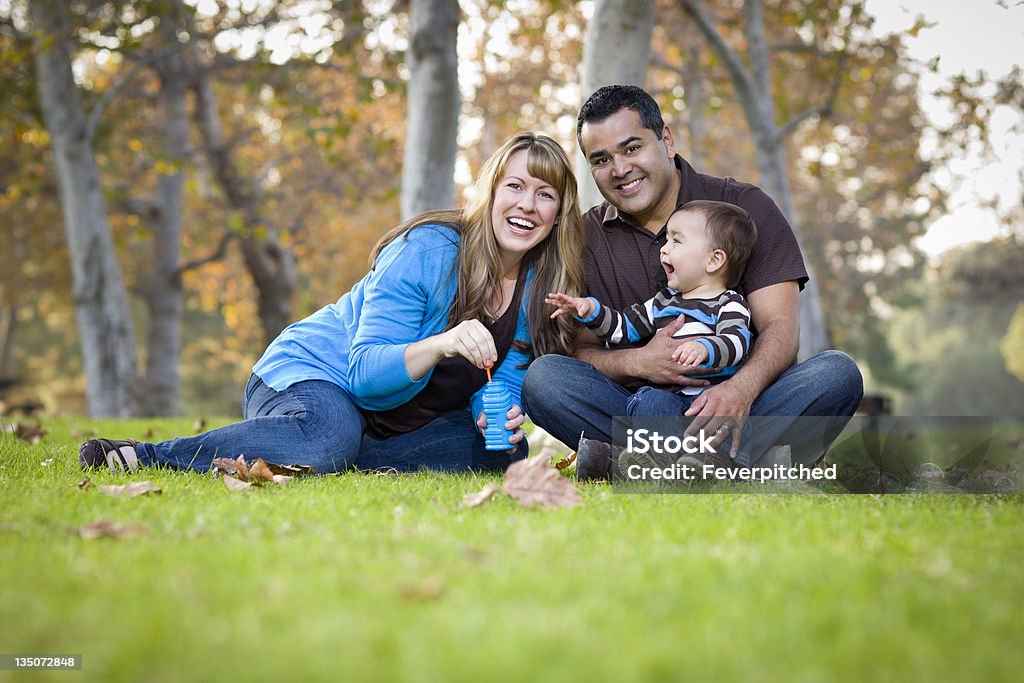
<point x="690" y="353"/>
<point x="574" y="305"/>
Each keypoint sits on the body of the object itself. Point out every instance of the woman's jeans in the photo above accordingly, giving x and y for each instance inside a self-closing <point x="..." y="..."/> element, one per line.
<point x="317" y="423"/>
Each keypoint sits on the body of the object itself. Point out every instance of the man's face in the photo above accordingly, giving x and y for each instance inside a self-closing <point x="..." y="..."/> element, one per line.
<point x="633" y="169"/>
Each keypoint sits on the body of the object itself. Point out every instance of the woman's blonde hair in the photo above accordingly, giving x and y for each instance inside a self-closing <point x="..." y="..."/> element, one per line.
<point x="557" y="262"/>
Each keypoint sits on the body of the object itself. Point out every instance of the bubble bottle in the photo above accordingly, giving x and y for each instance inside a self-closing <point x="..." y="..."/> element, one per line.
<point x="497" y="402"/>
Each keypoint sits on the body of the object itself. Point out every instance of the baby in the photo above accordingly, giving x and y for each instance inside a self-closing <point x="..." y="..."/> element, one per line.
<point x="707" y="249"/>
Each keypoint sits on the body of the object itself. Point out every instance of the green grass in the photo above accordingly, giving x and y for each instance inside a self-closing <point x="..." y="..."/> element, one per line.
<point x="382" y="578"/>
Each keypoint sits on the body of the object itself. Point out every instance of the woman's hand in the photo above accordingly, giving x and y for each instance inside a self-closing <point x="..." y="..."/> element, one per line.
<point x="581" y="307"/>
<point x="469" y="339"/>
<point x="514" y="424"/>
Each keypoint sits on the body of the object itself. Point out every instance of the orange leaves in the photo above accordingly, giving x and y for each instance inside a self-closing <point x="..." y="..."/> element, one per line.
<point x="533" y="482"/>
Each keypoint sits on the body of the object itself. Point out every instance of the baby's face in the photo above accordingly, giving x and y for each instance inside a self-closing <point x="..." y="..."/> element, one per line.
<point x="686" y="253"/>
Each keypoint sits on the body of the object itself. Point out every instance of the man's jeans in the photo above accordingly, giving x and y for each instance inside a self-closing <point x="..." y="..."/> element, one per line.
<point x="570" y="398"/>
<point x="317" y="423"/>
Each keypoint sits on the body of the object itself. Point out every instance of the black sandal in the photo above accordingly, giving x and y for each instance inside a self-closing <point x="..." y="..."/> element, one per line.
<point x="118" y="455"/>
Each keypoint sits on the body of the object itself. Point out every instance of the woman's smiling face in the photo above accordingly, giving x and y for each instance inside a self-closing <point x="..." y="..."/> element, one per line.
<point x="524" y="209"/>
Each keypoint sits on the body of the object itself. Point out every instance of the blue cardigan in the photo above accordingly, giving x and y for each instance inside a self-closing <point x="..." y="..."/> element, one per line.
<point x="358" y="343"/>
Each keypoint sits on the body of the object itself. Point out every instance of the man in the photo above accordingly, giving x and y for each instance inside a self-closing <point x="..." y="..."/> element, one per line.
<point x="633" y="160"/>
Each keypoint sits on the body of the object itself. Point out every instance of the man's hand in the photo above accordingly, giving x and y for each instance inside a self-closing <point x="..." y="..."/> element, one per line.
<point x="724" y="410"/>
<point x="656" y="363"/>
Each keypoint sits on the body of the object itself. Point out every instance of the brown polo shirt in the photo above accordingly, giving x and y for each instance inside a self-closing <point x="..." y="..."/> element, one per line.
<point x="622" y="261"/>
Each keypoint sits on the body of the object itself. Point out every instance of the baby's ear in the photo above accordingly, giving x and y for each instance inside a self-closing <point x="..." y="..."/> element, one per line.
<point x="716" y="261"/>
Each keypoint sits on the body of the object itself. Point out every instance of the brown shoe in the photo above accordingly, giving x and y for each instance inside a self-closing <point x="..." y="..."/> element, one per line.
<point x="596" y="461"/>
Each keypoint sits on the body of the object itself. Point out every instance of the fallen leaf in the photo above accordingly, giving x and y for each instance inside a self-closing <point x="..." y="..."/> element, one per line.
<point x="200" y="425"/>
<point x="259" y="470"/>
<point x="241" y="469"/>
<point x="566" y="461"/>
<point x="137" y="488"/>
<point x="226" y="465"/>
<point x="236" y="484"/>
<point x="534" y="481"/>
<point x="110" y="529"/>
<point x="29" y="433"/>
<point x="430" y="588"/>
<point x="282" y="479"/>
<point x="148" y="434"/>
<point x="85" y="484"/>
<point x="472" y="500"/>
<point x="289" y="469"/>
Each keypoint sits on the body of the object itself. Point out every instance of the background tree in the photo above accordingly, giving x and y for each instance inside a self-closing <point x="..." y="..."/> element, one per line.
<point x="433" y="101"/>
<point x="755" y="92"/>
<point x="617" y="49"/>
<point x="104" y="323"/>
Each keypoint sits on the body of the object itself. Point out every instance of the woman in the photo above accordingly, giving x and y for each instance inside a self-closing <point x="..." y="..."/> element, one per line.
<point x="384" y="376"/>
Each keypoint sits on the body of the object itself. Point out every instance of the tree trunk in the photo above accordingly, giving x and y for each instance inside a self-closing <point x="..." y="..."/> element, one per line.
<point x="428" y="165"/>
<point x="164" y="290"/>
<point x="694" y="96"/>
<point x="101" y="305"/>
<point x="8" y="327"/>
<point x="754" y="90"/>
<point x="617" y="50"/>
<point x="271" y="265"/>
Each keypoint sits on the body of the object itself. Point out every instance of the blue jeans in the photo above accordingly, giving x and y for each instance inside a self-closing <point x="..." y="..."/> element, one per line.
<point x="568" y="397"/>
<point x="317" y="423"/>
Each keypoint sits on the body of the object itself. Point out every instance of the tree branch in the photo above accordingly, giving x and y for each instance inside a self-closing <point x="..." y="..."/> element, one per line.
<point x="218" y="255"/>
<point x="93" y="118"/>
<point x="740" y="77"/>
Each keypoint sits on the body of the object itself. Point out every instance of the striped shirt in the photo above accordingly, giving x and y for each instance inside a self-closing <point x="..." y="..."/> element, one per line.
<point x="720" y="324"/>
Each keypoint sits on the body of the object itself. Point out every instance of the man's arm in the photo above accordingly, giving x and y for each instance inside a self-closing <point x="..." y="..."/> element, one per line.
<point x="775" y="311"/>
<point x="651" y="363"/>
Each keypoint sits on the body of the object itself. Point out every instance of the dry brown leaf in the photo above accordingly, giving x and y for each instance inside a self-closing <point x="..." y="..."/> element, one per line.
<point x="199" y="425"/>
<point x="149" y="434"/>
<point x="430" y="588"/>
<point x="472" y="500"/>
<point x="226" y="465"/>
<point x="236" y="484"/>
<point x="290" y="470"/>
<point x="566" y="461"/>
<point x="29" y="433"/>
<point x="535" y="482"/>
<point x="259" y="470"/>
<point x="282" y="479"/>
<point x="108" y="528"/>
<point x="138" y="488"/>
<point x="85" y="484"/>
<point x="241" y="469"/>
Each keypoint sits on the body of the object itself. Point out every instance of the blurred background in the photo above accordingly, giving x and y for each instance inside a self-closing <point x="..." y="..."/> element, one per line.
<point x="180" y="179"/>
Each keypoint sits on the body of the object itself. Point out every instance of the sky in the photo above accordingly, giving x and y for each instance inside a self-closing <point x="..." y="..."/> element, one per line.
<point x="969" y="36"/>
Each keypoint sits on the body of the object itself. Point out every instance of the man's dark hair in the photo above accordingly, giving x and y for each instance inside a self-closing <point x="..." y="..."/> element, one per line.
<point x="610" y="99"/>
<point x="730" y="228"/>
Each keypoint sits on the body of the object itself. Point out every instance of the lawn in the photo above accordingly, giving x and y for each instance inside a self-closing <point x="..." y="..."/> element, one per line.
<point x="384" y="577"/>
